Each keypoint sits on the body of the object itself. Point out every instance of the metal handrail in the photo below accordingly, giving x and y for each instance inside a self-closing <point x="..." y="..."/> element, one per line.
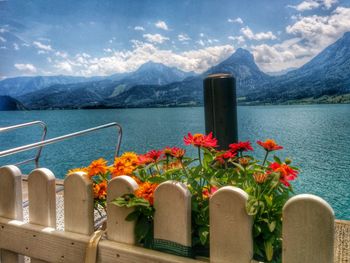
<point x="65" y="137"/>
<point x="27" y="124"/>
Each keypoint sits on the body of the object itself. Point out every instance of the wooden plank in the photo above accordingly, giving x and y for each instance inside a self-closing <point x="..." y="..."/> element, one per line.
<point x="51" y="245"/>
<point x="78" y="204"/>
<point x="10" y="203"/>
<point x="172" y="219"/>
<point x="231" y="238"/>
<point x="42" y="199"/>
<point x="118" y="229"/>
<point x="308" y="230"/>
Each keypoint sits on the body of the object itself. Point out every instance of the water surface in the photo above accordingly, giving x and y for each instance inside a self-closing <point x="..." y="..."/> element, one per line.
<point x="316" y="137"/>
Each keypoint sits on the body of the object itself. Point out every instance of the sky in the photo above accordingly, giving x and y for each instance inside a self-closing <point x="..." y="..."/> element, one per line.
<point x="104" y="37"/>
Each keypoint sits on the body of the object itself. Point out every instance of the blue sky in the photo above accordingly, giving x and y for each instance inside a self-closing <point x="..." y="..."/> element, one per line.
<point x="103" y="37"/>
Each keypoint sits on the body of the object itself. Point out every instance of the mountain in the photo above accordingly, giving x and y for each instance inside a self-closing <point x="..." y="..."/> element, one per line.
<point x="152" y="73"/>
<point x="242" y="66"/>
<point x="327" y="74"/>
<point x="100" y="93"/>
<point x="153" y="84"/>
<point x="19" y="86"/>
<point x="8" y="103"/>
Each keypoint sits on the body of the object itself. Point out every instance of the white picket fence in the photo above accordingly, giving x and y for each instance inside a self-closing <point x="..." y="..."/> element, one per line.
<point x="308" y="223"/>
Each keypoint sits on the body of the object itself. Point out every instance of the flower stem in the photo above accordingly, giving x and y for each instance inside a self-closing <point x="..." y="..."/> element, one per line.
<point x="267" y="153"/>
<point x="199" y="155"/>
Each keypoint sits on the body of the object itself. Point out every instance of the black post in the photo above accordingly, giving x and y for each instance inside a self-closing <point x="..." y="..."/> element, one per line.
<point x="220" y="108"/>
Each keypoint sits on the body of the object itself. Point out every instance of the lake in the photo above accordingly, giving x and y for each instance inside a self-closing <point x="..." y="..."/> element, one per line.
<point x="316" y="137"/>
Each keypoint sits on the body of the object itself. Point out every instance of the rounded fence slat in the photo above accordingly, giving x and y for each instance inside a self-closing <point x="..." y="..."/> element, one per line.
<point x="172" y="219"/>
<point x="11" y="192"/>
<point x="42" y="197"/>
<point x="10" y="203"/>
<point x="231" y="238"/>
<point x="118" y="229"/>
<point x="78" y="204"/>
<point x="308" y="230"/>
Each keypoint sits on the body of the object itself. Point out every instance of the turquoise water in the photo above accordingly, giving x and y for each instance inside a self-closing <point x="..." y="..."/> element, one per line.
<point x="316" y="137"/>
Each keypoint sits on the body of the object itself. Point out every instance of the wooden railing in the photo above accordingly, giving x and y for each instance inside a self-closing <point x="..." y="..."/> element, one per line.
<point x="308" y="223"/>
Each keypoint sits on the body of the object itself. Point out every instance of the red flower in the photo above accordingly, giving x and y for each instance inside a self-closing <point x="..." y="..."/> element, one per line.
<point x="201" y="140"/>
<point x="144" y="159"/>
<point x="223" y="157"/>
<point x="206" y="193"/>
<point x="270" y="145"/>
<point x="241" y="147"/>
<point x="285" y="171"/>
<point x="177" y="152"/>
<point x="154" y="155"/>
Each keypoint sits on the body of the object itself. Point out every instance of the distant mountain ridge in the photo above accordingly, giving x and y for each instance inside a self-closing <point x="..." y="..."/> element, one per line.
<point x="7" y="103"/>
<point x="156" y="85"/>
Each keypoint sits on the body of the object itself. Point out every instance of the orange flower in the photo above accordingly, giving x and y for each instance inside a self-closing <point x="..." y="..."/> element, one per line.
<point x="146" y="191"/>
<point x="201" y="140"/>
<point x="172" y="165"/>
<point x="178" y="152"/>
<point x="122" y="167"/>
<point x="97" y="167"/>
<point x="100" y="190"/>
<point x="260" y="178"/>
<point x="270" y="145"/>
<point x="244" y="161"/>
<point x="75" y="170"/>
<point x="285" y="171"/>
<point x="130" y="158"/>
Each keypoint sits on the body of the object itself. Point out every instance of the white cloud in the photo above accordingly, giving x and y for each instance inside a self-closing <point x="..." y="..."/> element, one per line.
<point x="42" y="46"/>
<point x="26" y="68"/>
<point x="248" y="33"/>
<point x="3" y="47"/>
<point x="108" y="50"/>
<point x="127" y="61"/>
<point x="183" y="37"/>
<point x="310" y="35"/>
<point x="162" y="25"/>
<point x="201" y="34"/>
<point x="200" y="42"/>
<point x="321" y="31"/>
<point x="313" y="4"/>
<point x="329" y="3"/>
<point x="155" y="38"/>
<point x="64" y="66"/>
<point x="15" y="46"/>
<point x="3" y="39"/>
<point x="3" y="30"/>
<point x="238" y="20"/>
<point x="61" y="54"/>
<point x="239" y="39"/>
<point x="139" y="28"/>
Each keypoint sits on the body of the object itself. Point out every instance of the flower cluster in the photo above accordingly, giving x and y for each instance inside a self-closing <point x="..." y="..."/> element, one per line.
<point x="266" y="182"/>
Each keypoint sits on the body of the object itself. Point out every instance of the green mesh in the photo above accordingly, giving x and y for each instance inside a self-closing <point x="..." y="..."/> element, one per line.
<point x="172" y="248"/>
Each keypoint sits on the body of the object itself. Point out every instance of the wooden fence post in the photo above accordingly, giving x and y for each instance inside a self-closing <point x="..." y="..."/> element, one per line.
<point x="118" y="229"/>
<point x="231" y="238"/>
<point x="42" y="199"/>
<point x="10" y="203"/>
<point x="172" y="219"/>
<point x="78" y="204"/>
<point x="308" y="230"/>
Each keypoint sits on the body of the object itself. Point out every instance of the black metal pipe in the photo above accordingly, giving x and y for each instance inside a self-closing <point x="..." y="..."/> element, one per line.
<point x="220" y="108"/>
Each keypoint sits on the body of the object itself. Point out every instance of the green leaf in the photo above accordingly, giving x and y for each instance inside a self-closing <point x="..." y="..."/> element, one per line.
<point x="277" y="160"/>
<point x="268" y="250"/>
<point x="133" y="215"/>
<point x="272" y="226"/>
